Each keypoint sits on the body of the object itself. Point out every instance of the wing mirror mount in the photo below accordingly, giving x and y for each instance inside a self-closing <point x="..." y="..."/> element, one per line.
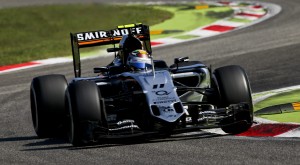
<point x="180" y="60"/>
<point x="100" y="70"/>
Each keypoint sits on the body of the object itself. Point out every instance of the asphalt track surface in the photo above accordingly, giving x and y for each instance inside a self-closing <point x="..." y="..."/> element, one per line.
<point x="269" y="52"/>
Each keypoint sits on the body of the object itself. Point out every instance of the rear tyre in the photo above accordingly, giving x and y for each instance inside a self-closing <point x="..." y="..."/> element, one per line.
<point x="234" y="88"/>
<point x="47" y="99"/>
<point x="85" y="112"/>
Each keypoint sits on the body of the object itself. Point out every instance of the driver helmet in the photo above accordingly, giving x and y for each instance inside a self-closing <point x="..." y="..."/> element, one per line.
<point x="128" y="44"/>
<point x="139" y="60"/>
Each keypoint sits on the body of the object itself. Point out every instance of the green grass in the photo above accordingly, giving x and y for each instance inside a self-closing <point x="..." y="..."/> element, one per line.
<point x="240" y="20"/>
<point x="285" y="117"/>
<point x="31" y="33"/>
<point x="186" y="19"/>
<point x="283" y="98"/>
<point x="186" y="37"/>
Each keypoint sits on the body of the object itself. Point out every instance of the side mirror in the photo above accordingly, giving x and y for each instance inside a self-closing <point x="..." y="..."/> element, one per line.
<point x="181" y="59"/>
<point x="100" y="70"/>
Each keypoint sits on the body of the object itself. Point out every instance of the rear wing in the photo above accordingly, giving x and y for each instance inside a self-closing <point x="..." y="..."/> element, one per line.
<point x="102" y="37"/>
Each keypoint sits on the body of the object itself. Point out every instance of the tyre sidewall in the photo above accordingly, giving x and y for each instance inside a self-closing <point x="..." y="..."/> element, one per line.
<point x="84" y="106"/>
<point x="47" y="104"/>
<point x="234" y="88"/>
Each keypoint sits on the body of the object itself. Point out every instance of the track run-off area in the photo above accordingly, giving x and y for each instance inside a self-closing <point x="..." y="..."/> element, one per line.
<point x="269" y="52"/>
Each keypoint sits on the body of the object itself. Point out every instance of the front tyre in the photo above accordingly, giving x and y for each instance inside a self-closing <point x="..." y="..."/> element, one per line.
<point x="86" y="111"/>
<point x="234" y="88"/>
<point x="47" y="99"/>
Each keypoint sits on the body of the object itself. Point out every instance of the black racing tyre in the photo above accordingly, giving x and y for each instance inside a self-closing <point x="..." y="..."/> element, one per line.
<point x="47" y="99"/>
<point x="85" y="111"/>
<point x="234" y="88"/>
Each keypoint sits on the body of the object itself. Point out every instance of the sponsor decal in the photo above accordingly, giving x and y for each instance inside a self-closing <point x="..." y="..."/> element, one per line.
<point x="164" y="102"/>
<point x="164" y="99"/>
<point x="207" y="112"/>
<point x="124" y="127"/>
<point x="166" y="109"/>
<point x="161" y="92"/>
<point x="188" y="119"/>
<point x="105" y="34"/>
<point x="125" y="122"/>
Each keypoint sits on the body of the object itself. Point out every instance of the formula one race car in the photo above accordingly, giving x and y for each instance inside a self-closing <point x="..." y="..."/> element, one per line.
<point x="136" y="95"/>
